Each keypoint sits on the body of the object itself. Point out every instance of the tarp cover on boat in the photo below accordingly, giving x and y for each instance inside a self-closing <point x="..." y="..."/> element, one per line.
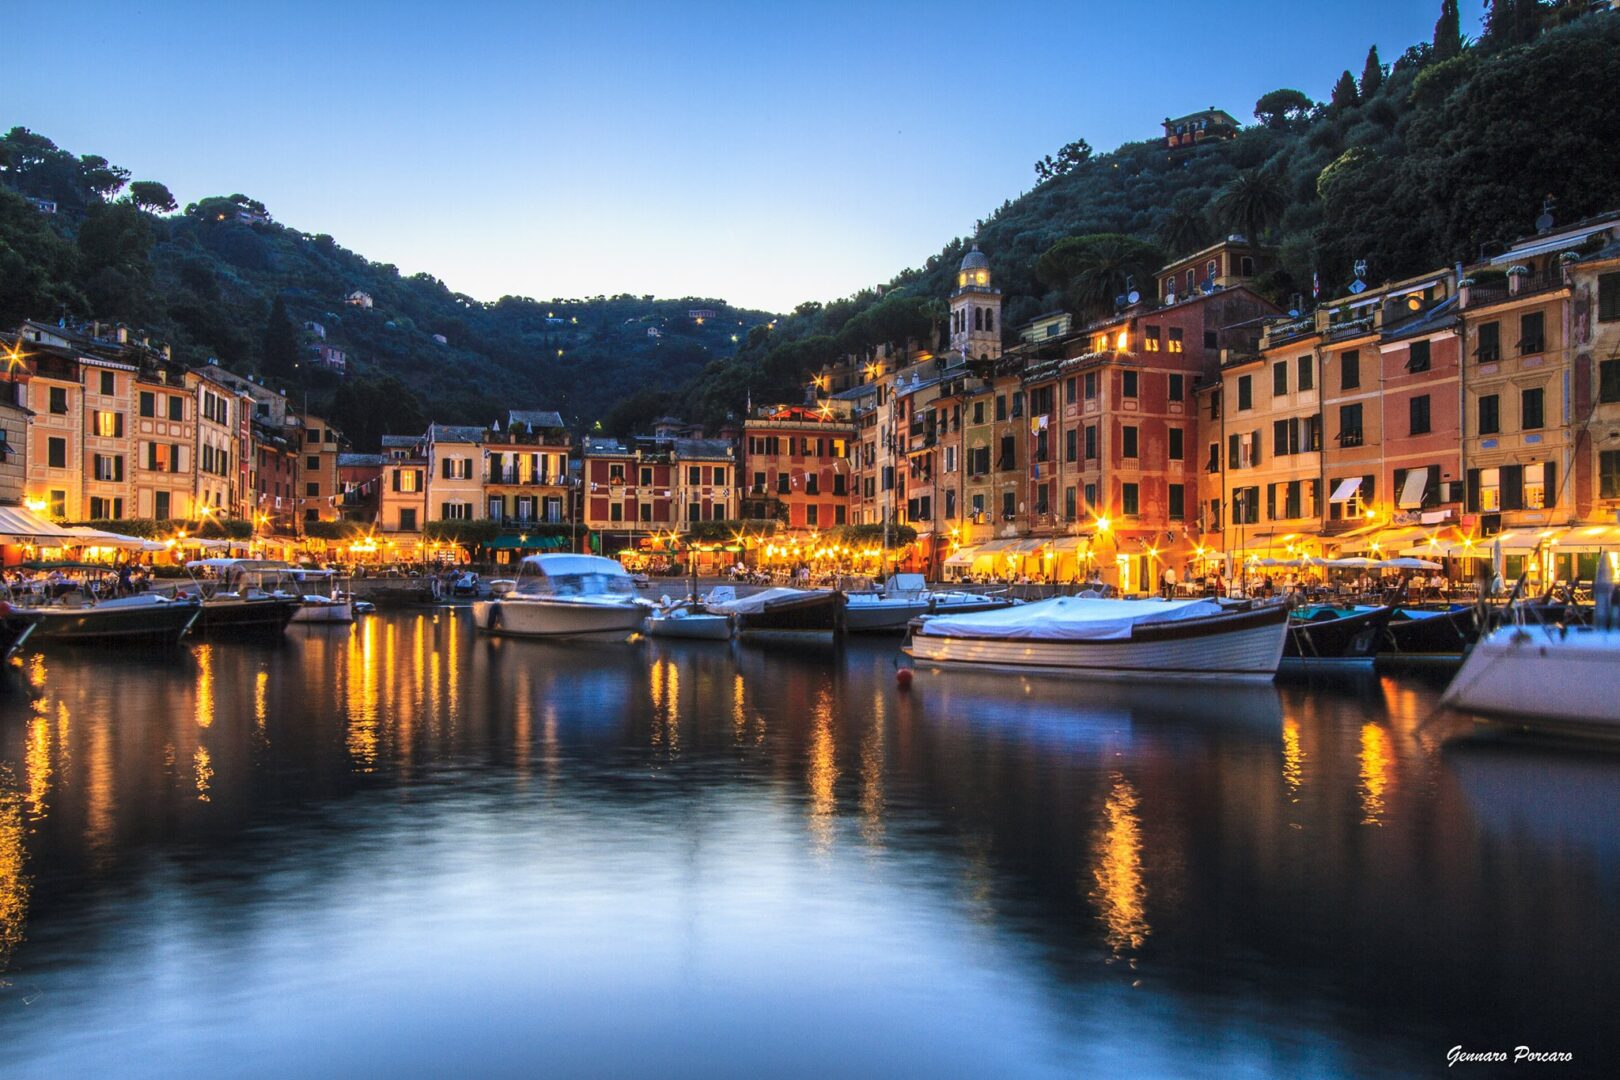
<point x="1069" y="618"/>
<point x="758" y="602"/>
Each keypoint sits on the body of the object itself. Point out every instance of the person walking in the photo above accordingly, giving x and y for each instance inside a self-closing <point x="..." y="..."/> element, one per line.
<point x="1167" y="583"/>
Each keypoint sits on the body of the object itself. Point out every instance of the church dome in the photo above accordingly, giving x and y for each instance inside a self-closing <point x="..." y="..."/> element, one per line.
<point x="975" y="260"/>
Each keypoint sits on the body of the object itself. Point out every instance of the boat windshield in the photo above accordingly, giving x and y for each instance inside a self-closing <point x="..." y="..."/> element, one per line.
<point x="576" y="584"/>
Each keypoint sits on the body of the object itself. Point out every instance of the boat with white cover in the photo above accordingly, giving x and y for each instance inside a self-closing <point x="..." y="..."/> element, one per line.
<point x="565" y="596"/>
<point x="1542" y="673"/>
<point x="905" y="597"/>
<point x="1110" y="639"/>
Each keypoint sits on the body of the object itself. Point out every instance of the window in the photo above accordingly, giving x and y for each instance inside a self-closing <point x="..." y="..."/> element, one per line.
<point x="1001" y="406"/>
<point x="1070" y="391"/>
<point x="1417" y="358"/>
<point x="1490" y="342"/>
<point x="313" y="464"/>
<point x="1212" y="340"/>
<point x="1245" y="392"/>
<point x="160" y="505"/>
<point x="1532" y="333"/>
<point x="1608" y="297"/>
<point x="838" y="478"/>
<point x="1307" y="372"/>
<point x="1091" y="494"/>
<point x="1018" y="403"/>
<point x="1091" y="385"/>
<point x="107" y="425"/>
<point x="646" y="476"/>
<point x="1070" y="509"/>
<point x="720" y="472"/>
<point x="978" y="411"/>
<point x="1150" y="339"/>
<point x="1214" y="522"/>
<point x="1009" y="505"/>
<point x="616" y="472"/>
<point x="1245" y="506"/>
<point x="1129" y="500"/>
<point x="1490" y="490"/>
<point x="58" y="400"/>
<point x="1350" y="433"/>
<point x="56" y="453"/>
<point x="1071" y="445"/>
<point x="1282" y="433"/>
<point x="1091" y="442"/>
<point x="1609" y="474"/>
<point x="1532" y="407"/>
<point x="1279" y="378"/>
<point x="1007" y="457"/>
<point x="148" y="403"/>
<point x="1246" y="266"/>
<point x="812" y="515"/>
<point x="1173" y="344"/>
<point x="1609" y="380"/>
<point x="1214" y="463"/>
<point x="1128" y="383"/>
<point x="978" y="460"/>
<point x="177" y="407"/>
<point x="1128" y="441"/>
<point x="784" y="484"/>
<point x="838" y="511"/>
<point x="109" y="467"/>
<point x="408" y="480"/>
<point x="103" y="509"/>
<point x="812" y="484"/>
<point x="615" y="512"/>
<point x="646" y="510"/>
<point x="1177" y="387"/>
<point x="1350" y="370"/>
<point x="109" y="384"/>
<point x="1535" y="486"/>
<point x="1178" y="501"/>
<point x="1418" y="411"/>
<point x="1177" y="450"/>
<point x="1490" y="414"/>
<point x="313" y="489"/>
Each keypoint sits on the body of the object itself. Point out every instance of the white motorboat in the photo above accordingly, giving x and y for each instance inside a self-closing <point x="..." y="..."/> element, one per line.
<point x="565" y="596"/>
<point x="1542" y="673"/>
<point x="689" y="621"/>
<point x="323" y="600"/>
<point x="1110" y="639"/>
<point x="905" y="597"/>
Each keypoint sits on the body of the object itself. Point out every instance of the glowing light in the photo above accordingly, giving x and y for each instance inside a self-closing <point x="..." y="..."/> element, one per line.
<point x="1121" y="891"/>
<point x="1122" y="341"/>
<point x="1103" y="524"/>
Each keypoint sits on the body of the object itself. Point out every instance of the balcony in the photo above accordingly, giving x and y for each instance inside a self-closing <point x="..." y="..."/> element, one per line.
<point x="1545" y="280"/>
<point x="515" y="476"/>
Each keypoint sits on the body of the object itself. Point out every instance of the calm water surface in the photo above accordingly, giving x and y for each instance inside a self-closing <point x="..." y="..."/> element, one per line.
<point x="398" y="848"/>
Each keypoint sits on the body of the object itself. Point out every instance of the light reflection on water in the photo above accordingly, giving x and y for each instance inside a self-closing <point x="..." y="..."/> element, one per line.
<point x="400" y="848"/>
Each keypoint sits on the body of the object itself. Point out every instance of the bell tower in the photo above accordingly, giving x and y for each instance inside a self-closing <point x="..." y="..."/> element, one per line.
<point x="976" y="309"/>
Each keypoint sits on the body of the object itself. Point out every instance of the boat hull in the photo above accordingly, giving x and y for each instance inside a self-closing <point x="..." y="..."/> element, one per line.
<point x="812" y="614"/>
<point x="689" y="627"/>
<point x="1536" y="674"/>
<point x="1239" y="647"/>
<point x="268" y="616"/>
<point x="106" y="624"/>
<point x="1342" y="644"/>
<point x="1448" y="632"/>
<point x="556" y="618"/>
<point x="339" y="612"/>
<point x="891" y="615"/>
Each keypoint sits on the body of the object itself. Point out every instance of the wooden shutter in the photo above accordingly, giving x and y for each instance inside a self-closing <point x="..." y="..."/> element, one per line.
<point x="1472" y="500"/>
<point x="1513" y="487"/>
<point x="1550" y="474"/>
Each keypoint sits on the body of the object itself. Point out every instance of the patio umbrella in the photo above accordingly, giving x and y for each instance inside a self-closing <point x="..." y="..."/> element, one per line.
<point x="1498" y="567"/>
<point x="1354" y="562"/>
<point x="1409" y="563"/>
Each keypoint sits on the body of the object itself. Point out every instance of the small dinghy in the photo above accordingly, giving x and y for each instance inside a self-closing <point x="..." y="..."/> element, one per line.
<point x="687" y="619"/>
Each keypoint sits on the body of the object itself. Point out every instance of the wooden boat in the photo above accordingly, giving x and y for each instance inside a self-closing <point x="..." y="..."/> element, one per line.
<point x="1542" y="674"/>
<point x="1111" y="639"/>
<point x="14" y="631"/>
<point x="687" y="620"/>
<point x="322" y="598"/>
<point x="1418" y="632"/>
<point x="1326" y="640"/>
<point x="143" y="619"/>
<point x="565" y="596"/>
<point x="234" y="604"/>
<point x="783" y="611"/>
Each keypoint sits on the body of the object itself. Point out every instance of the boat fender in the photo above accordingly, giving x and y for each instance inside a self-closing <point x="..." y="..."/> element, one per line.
<point x="902" y="678"/>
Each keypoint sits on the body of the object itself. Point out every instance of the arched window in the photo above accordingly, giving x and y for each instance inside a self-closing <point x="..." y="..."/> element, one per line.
<point x="989" y="318"/>
<point x="978" y="318"/>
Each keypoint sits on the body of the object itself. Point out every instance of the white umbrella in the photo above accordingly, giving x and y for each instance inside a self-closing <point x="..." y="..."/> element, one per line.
<point x="1408" y="563"/>
<point x="1354" y="562"/>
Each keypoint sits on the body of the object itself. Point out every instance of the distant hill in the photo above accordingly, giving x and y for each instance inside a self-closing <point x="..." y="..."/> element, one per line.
<point x="76" y="241"/>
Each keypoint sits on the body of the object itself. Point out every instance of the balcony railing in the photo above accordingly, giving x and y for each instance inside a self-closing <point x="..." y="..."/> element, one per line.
<point x="1529" y="284"/>
<point x="515" y="476"/>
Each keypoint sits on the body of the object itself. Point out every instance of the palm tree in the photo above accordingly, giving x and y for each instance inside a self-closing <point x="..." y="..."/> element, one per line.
<point x="1093" y="270"/>
<point x="1252" y="203"/>
<point x="1185" y="229"/>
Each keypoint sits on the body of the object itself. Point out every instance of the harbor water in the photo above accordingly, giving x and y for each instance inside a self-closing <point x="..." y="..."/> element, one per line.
<point x="398" y="848"/>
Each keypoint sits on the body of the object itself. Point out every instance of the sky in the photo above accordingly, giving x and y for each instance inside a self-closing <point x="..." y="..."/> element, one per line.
<point x="763" y="153"/>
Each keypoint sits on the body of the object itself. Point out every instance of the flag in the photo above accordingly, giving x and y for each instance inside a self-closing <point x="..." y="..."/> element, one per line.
<point x="1316" y="286"/>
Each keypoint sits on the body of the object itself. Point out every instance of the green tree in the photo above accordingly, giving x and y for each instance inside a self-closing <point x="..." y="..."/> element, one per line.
<point x="152" y="196"/>
<point x="37" y="267"/>
<point x="1092" y="271"/>
<point x="1185" y="228"/>
<point x="1344" y="93"/>
<point x="1281" y="108"/>
<point x="279" y="352"/>
<point x="1069" y="157"/>
<point x="101" y="177"/>
<point x="1372" y="75"/>
<point x="1252" y="203"/>
<point x="1448" y="40"/>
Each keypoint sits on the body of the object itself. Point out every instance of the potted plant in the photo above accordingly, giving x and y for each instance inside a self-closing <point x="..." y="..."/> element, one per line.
<point x="1516" y="275"/>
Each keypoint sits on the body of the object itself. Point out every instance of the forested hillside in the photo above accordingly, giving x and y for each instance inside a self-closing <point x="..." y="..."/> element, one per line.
<point x="221" y="279"/>
<point x="1410" y="165"/>
<point x="1426" y="161"/>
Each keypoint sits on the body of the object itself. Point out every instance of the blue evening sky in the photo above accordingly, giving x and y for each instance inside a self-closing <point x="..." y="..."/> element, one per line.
<point x="762" y="153"/>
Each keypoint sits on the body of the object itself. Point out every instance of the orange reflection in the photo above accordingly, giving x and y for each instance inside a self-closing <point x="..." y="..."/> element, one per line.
<point x="1377" y="772"/>
<point x="823" y="771"/>
<point x="13" y="880"/>
<point x="37" y="759"/>
<point x="99" y="799"/>
<point x="872" y="760"/>
<point x="261" y="699"/>
<point x="203" y="767"/>
<point x="205" y="686"/>
<point x="1293" y="759"/>
<point x="360" y="699"/>
<point x="1121" y="892"/>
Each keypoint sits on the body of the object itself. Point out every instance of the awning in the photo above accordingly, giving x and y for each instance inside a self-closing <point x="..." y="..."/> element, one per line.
<point x="1387" y="540"/>
<point x="522" y="543"/>
<point x="961" y="557"/>
<point x="1560" y="243"/>
<point x="100" y="538"/>
<point x="19" y="524"/>
<point x="1026" y="547"/>
<point x="1412" y="489"/>
<point x="1590" y="538"/>
<point x="1071" y="543"/>
<point x="990" y="547"/>
<point x="1346" y="490"/>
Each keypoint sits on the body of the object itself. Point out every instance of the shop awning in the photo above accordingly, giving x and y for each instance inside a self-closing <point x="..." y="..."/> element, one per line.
<point x="1346" y="490"/>
<point x="100" y="538"/>
<point x="991" y="547"/>
<point x="1412" y="489"/>
<point x="961" y="557"/>
<point x="1071" y="543"/>
<point x="1386" y="540"/>
<point x="530" y="543"/>
<point x="1026" y="547"/>
<point x="1590" y="538"/>
<point x="21" y="525"/>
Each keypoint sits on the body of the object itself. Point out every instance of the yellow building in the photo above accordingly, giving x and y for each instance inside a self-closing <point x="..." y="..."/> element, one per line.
<point x="455" y="472"/>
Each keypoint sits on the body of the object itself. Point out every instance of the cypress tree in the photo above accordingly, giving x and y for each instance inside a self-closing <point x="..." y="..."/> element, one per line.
<point x="279" y="357"/>
<point x="1344" y="93"/>
<point x="1372" y="75"/>
<point x="1448" y="31"/>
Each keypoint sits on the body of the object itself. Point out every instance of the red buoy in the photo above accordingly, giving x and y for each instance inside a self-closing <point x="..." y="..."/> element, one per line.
<point x="903" y="677"/>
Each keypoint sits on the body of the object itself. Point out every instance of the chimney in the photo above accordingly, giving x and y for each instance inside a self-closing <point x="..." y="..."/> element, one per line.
<point x="123" y="335"/>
